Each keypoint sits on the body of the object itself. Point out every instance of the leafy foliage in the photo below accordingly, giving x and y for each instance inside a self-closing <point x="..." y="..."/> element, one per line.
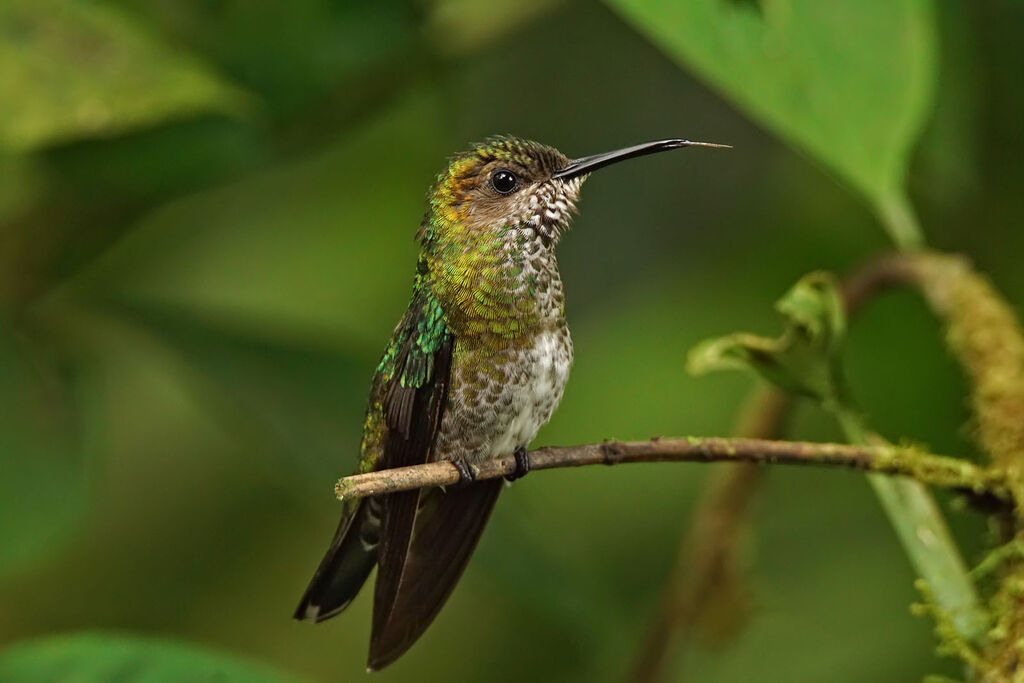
<point x="805" y="359"/>
<point x="70" y="70"/>
<point x="98" y="658"/>
<point x="850" y="83"/>
<point x="42" y="486"/>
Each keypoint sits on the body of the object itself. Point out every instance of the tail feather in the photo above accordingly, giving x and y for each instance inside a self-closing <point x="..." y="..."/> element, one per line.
<point x="436" y="536"/>
<point x="346" y="565"/>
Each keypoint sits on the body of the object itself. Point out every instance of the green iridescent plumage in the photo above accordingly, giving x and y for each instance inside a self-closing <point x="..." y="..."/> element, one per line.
<point x="423" y="329"/>
<point x="407" y="360"/>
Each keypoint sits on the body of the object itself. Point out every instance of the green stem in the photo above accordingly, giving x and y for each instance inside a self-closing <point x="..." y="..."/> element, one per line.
<point x="911" y="509"/>
<point x="900" y="221"/>
<point x="919" y="525"/>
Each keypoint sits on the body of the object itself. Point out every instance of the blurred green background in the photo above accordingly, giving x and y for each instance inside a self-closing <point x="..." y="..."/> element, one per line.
<point x="206" y="221"/>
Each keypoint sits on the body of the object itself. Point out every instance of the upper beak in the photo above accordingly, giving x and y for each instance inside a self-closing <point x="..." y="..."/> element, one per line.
<point x="578" y="167"/>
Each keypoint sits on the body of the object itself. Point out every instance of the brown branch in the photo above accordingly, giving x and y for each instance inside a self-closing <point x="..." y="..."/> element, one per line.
<point x="885" y="459"/>
<point x="874" y="276"/>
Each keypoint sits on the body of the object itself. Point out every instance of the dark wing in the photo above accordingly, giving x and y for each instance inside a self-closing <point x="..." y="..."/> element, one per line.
<point x="405" y="386"/>
<point x="427" y="535"/>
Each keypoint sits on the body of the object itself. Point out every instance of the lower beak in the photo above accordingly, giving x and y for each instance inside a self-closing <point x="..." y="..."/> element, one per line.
<point x="578" y="167"/>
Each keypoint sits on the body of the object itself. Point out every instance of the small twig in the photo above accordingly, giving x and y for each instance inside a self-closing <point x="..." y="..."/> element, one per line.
<point x="874" y="276"/>
<point x="930" y="469"/>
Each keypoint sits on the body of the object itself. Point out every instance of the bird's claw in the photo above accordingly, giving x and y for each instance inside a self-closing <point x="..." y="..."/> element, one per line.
<point x="522" y="465"/>
<point x="466" y="475"/>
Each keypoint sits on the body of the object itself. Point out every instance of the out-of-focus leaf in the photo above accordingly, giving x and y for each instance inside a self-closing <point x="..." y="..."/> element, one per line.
<point x="298" y="405"/>
<point x="19" y="184"/>
<point x="41" y="484"/>
<point x="849" y="82"/>
<point x="295" y="53"/>
<point x="314" y="249"/>
<point x="805" y="359"/>
<point x="71" y="70"/>
<point x="98" y="658"/>
<point x="462" y="26"/>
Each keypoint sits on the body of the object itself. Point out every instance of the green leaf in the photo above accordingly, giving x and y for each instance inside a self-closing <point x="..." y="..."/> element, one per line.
<point x="851" y="83"/>
<point x="71" y="70"/>
<point x="42" y="486"/>
<point x="88" y="658"/>
<point x="322" y="61"/>
<point x="805" y="359"/>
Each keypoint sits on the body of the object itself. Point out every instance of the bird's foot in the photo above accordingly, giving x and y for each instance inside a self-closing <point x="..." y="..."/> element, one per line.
<point x="466" y="476"/>
<point x="522" y="465"/>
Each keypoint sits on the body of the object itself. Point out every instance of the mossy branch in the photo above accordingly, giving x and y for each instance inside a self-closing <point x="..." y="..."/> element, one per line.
<point x="931" y="469"/>
<point x="985" y="336"/>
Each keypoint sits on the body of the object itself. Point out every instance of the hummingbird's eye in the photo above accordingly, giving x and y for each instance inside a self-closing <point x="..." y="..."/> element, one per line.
<point x="504" y="181"/>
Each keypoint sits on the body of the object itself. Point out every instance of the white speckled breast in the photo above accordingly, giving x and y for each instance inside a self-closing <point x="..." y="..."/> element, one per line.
<point x="498" y="403"/>
<point x="535" y="399"/>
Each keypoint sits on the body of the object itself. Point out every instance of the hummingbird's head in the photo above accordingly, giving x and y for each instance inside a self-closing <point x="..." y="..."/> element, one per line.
<point x="505" y="182"/>
<point x="511" y="183"/>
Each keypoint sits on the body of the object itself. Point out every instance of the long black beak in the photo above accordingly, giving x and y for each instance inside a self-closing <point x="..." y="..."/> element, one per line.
<point x="578" y="167"/>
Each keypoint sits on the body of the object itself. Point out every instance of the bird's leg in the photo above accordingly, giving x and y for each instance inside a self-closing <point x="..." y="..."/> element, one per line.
<point x="522" y="465"/>
<point x="466" y="475"/>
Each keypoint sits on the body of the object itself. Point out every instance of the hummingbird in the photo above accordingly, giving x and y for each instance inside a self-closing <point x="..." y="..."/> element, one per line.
<point x="474" y="368"/>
